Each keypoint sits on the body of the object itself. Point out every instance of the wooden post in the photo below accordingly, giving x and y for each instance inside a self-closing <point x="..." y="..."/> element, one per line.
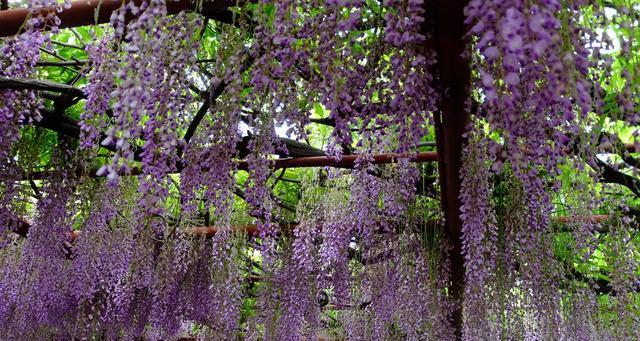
<point x="452" y="119"/>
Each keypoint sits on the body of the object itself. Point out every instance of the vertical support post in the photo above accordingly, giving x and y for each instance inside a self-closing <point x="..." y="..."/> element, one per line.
<point x="451" y="122"/>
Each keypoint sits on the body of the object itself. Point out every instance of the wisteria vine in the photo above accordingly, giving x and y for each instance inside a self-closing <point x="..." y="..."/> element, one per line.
<point x="162" y="216"/>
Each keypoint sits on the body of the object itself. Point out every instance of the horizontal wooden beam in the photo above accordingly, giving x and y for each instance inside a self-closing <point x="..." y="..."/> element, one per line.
<point x="21" y="227"/>
<point x="92" y="12"/>
<point x="251" y="230"/>
<point x="209" y="231"/>
<point x="346" y="161"/>
<point x="596" y="219"/>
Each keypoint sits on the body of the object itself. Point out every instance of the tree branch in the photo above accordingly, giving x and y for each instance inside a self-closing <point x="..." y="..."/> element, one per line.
<point x="610" y="175"/>
<point x="61" y="64"/>
<point x="215" y="94"/>
<point x="200" y="115"/>
<point x="63" y="44"/>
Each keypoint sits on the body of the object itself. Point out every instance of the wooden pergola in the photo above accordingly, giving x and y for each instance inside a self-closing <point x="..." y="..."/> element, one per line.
<point x="450" y="120"/>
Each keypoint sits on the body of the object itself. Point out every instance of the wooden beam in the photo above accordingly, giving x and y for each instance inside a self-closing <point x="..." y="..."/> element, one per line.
<point x="208" y="231"/>
<point x="21" y="226"/>
<point x="92" y="12"/>
<point x="347" y="161"/>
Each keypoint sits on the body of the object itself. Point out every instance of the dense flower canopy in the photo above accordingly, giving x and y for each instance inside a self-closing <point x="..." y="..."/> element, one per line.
<point x="149" y="180"/>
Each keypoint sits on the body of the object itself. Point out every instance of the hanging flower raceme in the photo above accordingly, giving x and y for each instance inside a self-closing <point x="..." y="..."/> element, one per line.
<point x="93" y="121"/>
<point x="279" y="55"/>
<point x="139" y="73"/>
<point x="148" y="95"/>
<point x="479" y="232"/>
<point x="18" y="58"/>
<point x="410" y="95"/>
<point x="209" y="164"/>
<point x="20" y="55"/>
<point x="274" y="58"/>
<point x="40" y="278"/>
<point x="332" y="67"/>
<point x="423" y="280"/>
<point x="175" y="50"/>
